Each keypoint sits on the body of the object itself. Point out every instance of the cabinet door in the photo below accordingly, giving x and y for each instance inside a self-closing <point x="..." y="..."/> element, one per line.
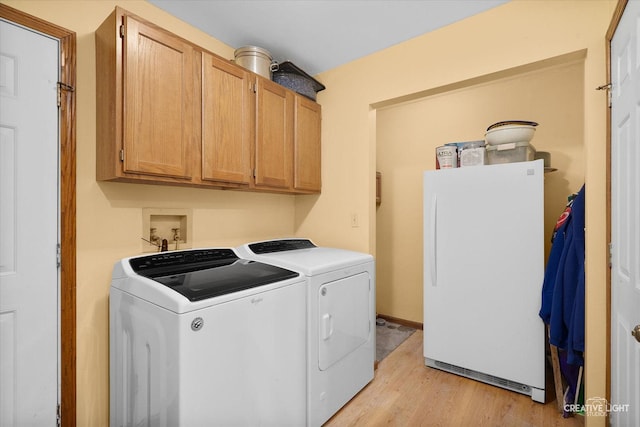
<point x="274" y="135"/>
<point x="158" y="107"/>
<point x="307" y="149"/>
<point x="226" y="126"/>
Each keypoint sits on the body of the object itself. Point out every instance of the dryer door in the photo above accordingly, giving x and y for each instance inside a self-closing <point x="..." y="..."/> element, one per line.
<point x="344" y="318"/>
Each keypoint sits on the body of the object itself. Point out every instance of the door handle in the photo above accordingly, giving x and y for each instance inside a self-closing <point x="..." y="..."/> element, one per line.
<point x="636" y="333"/>
<point x="433" y="225"/>
<point x="327" y="326"/>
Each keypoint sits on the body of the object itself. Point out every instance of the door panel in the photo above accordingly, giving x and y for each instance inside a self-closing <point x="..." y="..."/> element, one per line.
<point x="307" y="146"/>
<point x="625" y="218"/>
<point x="274" y="135"/>
<point x="344" y="318"/>
<point x="29" y="227"/>
<point x="225" y="122"/>
<point x="159" y="102"/>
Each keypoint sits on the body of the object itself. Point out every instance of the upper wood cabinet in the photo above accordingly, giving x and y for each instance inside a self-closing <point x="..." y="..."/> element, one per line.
<point x="169" y="112"/>
<point x="147" y="99"/>
<point x="274" y="135"/>
<point x="227" y="133"/>
<point x="307" y="148"/>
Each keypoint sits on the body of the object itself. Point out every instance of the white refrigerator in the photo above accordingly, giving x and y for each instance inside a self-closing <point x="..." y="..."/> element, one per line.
<point x="483" y="274"/>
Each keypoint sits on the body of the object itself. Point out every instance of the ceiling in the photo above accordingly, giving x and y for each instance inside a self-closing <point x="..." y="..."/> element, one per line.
<point x="318" y="35"/>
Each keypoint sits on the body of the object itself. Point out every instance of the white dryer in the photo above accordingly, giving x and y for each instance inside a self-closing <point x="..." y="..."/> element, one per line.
<point x="340" y="315"/>
<point x="203" y="338"/>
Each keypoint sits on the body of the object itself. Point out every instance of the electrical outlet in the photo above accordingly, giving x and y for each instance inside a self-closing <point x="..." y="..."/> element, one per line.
<point x="354" y="220"/>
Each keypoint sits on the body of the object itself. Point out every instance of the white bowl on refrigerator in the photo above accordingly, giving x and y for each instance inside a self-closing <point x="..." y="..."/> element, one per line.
<point x="509" y="134"/>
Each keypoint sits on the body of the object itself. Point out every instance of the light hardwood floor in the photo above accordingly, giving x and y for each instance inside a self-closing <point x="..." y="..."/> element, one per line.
<point x="404" y="392"/>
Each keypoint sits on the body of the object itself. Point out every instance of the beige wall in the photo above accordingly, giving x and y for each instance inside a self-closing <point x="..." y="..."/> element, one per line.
<point x="516" y="34"/>
<point x="409" y="132"/>
<point x="109" y="215"/>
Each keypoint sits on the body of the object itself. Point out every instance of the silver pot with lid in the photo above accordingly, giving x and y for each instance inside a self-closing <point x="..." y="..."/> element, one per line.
<point x="256" y="59"/>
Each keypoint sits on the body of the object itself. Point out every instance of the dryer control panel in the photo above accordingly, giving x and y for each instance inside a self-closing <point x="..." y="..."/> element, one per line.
<point x="280" y="246"/>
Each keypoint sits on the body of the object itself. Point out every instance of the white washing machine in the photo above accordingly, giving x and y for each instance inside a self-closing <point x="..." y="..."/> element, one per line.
<point x="203" y="338"/>
<point x="341" y="318"/>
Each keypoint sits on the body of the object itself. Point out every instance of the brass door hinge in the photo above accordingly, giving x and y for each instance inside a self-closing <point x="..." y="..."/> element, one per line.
<point x="610" y="246"/>
<point x="606" y="87"/>
<point x="60" y="87"/>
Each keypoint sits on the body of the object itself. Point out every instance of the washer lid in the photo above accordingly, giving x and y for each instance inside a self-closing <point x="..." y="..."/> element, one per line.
<point x="207" y="273"/>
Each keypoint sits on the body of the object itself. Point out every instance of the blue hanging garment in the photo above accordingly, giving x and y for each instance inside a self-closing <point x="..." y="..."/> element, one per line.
<point x="563" y="288"/>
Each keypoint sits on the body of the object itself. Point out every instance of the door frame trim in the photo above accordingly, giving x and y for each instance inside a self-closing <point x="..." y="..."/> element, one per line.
<point x="67" y="112"/>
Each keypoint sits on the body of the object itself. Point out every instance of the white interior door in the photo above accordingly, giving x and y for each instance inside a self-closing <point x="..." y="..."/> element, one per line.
<point x="625" y="219"/>
<point x="28" y="227"/>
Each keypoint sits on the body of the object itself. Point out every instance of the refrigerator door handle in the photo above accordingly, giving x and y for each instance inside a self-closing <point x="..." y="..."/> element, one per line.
<point x="433" y="222"/>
